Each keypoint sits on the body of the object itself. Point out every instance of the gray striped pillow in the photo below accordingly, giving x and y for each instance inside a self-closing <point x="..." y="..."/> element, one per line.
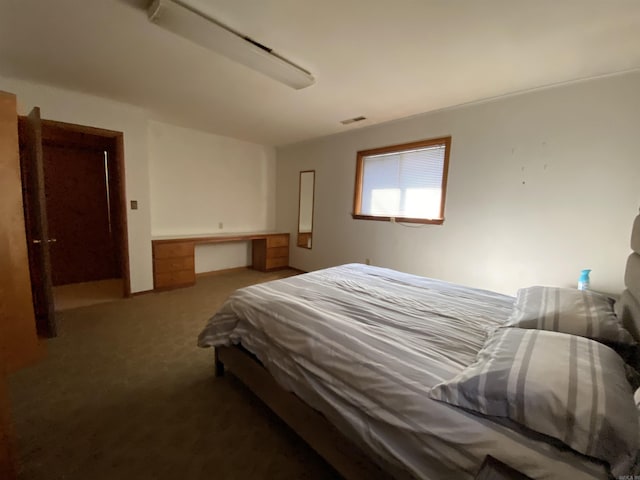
<point x="567" y="387"/>
<point x="577" y="312"/>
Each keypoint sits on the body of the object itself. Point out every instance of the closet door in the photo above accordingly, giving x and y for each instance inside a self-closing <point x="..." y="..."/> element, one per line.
<point x="38" y="241"/>
<point x="79" y="214"/>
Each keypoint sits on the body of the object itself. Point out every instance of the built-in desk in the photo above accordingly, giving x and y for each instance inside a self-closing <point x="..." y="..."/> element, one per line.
<point x="174" y="257"/>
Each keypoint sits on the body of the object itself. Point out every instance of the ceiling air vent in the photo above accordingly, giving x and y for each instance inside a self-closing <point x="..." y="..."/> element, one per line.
<point x="353" y="120"/>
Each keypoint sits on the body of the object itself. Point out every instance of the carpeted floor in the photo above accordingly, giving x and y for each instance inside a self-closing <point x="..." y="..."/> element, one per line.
<point x="74" y="295"/>
<point x="124" y="393"/>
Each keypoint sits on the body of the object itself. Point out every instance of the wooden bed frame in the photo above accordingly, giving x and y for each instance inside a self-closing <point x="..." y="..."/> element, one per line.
<point x="341" y="453"/>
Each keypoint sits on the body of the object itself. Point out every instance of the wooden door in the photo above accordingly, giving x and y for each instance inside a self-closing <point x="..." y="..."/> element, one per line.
<point x="19" y="344"/>
<point x="38" y="240"/>
<point x="79" y="214"/>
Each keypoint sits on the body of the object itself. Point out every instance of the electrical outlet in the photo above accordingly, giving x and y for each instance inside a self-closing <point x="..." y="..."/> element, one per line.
<point x="220" y="225"/>
<point x="367" y="261"/>
<point x="134" y="204"/>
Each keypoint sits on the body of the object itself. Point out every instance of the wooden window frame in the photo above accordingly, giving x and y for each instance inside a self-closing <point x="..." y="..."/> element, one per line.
<point x="357" y="197"/>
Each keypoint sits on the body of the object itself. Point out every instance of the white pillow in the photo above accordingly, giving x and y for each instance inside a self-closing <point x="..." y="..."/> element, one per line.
<point x="567" y="310"/>
<point x="567" y="387"/>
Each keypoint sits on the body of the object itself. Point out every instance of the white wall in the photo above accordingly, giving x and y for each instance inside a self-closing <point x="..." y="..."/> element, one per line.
<point x="540" y="186"/>
<point x="199" y="180"/>
<point x="74" y="107"/>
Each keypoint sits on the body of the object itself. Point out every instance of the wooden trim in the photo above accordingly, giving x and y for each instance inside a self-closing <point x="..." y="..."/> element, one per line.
<point x="403" y="147"/>
<point x="445" y="175"/>
<point x="357" y="195"/>
<point x="124" y="228"/>
<point x="142" y="292"/>
<point x="300" y="272"/>
<point x="427" y="221"/>
<point x="116" y="148"/>
<point x="214" y="273"/>
<point x="347" y="458"/>
<point x="87" y="130"/>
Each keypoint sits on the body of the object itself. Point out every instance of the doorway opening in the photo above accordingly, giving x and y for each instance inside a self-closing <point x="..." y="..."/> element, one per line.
<point x="84" y="193"/>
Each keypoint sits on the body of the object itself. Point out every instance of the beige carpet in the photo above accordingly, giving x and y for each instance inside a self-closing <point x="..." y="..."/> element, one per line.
<point x="124" y="393"/>
<point x="74" y="295"/>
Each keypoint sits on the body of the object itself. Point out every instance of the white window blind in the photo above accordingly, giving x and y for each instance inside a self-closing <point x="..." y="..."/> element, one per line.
<point x="404" y="184"/>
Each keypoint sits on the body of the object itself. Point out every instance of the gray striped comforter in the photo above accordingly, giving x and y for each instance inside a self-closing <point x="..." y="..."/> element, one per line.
<point x="365" y="345"/>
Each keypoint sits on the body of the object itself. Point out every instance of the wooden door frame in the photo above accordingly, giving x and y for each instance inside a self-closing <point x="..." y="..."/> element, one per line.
<point x="118" y="152"/>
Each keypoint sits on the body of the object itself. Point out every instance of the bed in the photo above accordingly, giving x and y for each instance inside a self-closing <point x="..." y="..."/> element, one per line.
<point x="351" y="356"/>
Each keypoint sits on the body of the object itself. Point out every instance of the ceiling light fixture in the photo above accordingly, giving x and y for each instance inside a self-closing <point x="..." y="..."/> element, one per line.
<point x="211" y="34"/>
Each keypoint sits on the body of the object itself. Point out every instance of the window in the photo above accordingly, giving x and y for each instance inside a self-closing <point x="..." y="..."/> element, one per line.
<point x="404" y="183"/>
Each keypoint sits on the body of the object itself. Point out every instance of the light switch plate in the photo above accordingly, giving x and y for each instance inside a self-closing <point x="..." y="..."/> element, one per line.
<point x="134" y="204"/>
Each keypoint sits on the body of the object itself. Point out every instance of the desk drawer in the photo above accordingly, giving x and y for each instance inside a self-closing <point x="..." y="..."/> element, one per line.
<point x="163" y="265"/>
<point x="174" y="279"/>
<point x="277" y="263"/>
<point x="172" y="250"/>
<point x="277" y="241"/>
<point x="277" y="252"/>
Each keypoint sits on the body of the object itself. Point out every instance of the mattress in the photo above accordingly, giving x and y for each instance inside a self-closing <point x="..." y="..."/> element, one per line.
<point x="364" y="346"/>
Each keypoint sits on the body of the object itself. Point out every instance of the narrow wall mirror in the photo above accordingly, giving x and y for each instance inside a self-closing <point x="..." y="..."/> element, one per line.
<point x="305" y="208"/>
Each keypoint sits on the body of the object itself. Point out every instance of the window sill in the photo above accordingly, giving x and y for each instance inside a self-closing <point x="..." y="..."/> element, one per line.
<point x="426" y="221"/>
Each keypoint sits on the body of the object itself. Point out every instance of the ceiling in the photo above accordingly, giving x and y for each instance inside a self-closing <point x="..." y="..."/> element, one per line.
<point x="379" y="58"/>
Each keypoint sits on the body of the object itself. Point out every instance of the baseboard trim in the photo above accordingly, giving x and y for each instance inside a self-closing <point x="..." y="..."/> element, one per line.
<point x="209" y="274"/>
<point x="222" y="272"/>
<point x="297" y="270"/>
<point x="143" y="292"/>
